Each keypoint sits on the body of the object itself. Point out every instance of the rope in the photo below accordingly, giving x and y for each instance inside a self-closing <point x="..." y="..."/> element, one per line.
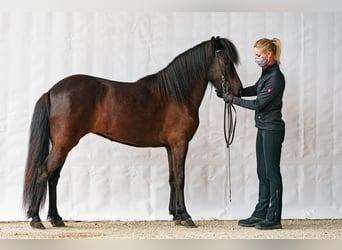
<point x="229" y="133"/>
<point x="229" y="123"/>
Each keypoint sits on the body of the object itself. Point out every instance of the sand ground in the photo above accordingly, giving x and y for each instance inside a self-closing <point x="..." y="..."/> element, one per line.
<point x="210" y="229"/>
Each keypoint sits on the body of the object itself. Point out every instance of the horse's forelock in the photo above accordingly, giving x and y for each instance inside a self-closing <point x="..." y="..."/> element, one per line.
<point x="233" y="54"/>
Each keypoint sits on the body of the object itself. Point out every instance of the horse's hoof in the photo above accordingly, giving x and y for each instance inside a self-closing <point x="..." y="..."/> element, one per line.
<point x="185" y="223"/>
<point x="37" y="225"/>
<point x="58" y="223"/>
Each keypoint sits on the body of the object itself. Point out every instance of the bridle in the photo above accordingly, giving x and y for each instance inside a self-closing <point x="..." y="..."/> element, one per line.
<point x="226" y="86"/>
<point x="229" y="118"/>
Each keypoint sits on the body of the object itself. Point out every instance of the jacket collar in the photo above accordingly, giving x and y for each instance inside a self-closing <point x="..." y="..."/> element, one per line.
<point x="270" y="68"/>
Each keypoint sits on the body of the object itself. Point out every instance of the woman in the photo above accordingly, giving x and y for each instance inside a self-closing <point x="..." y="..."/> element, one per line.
<point x="270" y="135"/>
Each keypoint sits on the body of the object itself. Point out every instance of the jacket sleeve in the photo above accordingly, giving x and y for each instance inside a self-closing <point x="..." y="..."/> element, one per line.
<point x="250" y="91"/>
<point x="270" y="90"/>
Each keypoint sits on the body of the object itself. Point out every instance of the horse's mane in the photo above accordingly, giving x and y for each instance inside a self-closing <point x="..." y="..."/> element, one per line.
<point x="173" y="81"/>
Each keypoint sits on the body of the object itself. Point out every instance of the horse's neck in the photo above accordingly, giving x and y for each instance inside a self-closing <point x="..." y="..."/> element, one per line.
<point x="196" y="92"/>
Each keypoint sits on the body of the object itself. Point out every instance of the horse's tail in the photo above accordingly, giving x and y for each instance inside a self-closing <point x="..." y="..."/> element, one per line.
<point x="37" y="152"/>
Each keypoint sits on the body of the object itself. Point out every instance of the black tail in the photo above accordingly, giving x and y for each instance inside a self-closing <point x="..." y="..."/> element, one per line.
<point x="37" y="152"/>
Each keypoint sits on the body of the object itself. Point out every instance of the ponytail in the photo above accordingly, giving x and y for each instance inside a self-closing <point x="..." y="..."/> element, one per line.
<point x="277" y="52"/>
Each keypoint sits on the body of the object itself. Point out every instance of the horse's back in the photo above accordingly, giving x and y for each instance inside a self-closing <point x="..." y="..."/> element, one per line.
<point x="76" y="83"/>
<point x="75" y="93"/>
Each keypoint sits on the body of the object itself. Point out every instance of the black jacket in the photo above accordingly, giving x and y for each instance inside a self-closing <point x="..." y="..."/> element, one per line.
<point x="269" y="90"/>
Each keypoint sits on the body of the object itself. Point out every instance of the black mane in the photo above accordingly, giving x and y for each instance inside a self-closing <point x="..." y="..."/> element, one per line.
<point x="173" y="81"/>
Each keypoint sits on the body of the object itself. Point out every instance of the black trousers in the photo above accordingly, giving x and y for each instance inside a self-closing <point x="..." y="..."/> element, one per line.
<point x="268" y="152"/>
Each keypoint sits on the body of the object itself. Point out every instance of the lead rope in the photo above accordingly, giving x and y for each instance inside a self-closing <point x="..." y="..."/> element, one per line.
<point x="229" y="133"/>
<point x="229" y="121"/>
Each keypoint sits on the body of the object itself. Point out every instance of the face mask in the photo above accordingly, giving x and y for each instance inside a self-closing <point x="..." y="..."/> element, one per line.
<point x="261" y="61"/>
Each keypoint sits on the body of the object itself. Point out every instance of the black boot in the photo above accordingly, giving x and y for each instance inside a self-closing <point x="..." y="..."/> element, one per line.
<point x="266" y="225"/>
<point x="249" y="222"/>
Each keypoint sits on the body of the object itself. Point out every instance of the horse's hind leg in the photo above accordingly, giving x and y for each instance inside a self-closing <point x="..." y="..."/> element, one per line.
<point x="47" y="172"/>
<point x="55" y="219"/>
<point x="55" y="163"/>
<point x="40" y="190"/>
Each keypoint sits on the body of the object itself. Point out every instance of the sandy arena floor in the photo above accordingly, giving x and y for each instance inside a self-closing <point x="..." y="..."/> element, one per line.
<point x="228" y="229"/>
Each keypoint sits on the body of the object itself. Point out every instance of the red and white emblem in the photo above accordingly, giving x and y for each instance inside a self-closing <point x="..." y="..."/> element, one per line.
<point x="269" y="90"/>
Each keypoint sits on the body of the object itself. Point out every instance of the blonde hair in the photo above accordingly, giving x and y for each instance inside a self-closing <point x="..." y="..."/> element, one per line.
<point x="273" y="45"/>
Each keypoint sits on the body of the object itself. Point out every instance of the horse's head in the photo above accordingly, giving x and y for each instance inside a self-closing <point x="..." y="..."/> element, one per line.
<point x="222" y="72"/>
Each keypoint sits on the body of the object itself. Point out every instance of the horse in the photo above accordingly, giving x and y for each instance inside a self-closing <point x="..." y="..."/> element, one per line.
<point x="158" y="110"/>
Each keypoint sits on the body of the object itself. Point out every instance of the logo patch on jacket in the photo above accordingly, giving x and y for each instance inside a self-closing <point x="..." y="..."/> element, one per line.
<point x="269" y="90"/>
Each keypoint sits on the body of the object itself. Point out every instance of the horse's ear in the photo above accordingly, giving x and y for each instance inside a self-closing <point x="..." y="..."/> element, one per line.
<point x="215" y="43"/>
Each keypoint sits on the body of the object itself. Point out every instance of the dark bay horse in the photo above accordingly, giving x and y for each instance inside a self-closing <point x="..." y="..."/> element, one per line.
<point x="159" y="110"/>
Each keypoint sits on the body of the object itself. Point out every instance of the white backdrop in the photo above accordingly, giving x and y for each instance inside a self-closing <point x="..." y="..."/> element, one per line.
<point x="106" y="180"/>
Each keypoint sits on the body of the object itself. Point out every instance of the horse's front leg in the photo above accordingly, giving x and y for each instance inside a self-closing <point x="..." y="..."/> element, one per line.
<point x="172" y="202"/>
<point x="177" y="203"/>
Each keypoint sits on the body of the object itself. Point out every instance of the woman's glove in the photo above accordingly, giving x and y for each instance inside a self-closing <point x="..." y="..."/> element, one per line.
<point x="228" y="98"/>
